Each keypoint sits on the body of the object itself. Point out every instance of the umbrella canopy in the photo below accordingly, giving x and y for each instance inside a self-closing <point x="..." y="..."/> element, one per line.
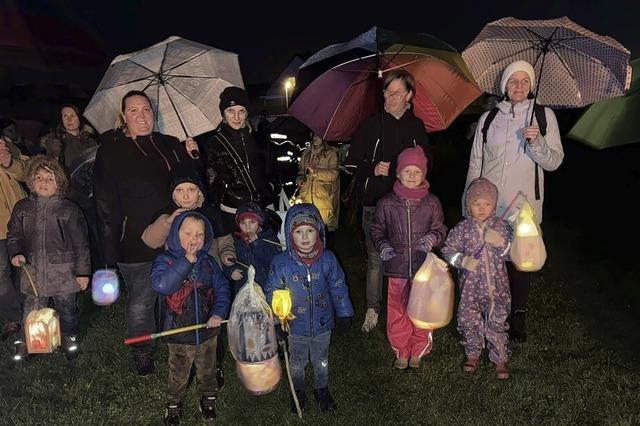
<point x="612" y="122"/>
<point x="574" y="66"/>
<point x="342" y="84"/>
<point x="183" y="79"/>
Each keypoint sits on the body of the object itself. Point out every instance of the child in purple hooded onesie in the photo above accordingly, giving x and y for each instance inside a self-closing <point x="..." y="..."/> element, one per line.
<point x="478" y="246"/>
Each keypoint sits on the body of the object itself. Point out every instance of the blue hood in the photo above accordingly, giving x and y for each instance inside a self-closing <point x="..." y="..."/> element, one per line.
<point x="298" y="210"/>
<point x="173" y="242"/>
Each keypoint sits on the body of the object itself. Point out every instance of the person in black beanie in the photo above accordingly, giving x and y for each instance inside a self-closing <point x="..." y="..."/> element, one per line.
<point x="235" y="165"/>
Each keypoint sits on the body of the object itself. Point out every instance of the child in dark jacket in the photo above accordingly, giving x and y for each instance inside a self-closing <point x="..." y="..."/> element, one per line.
<point x="478" y="246"/>
<point x="195" y="291"/>
<point x="48" y="234"/>
<point x="319" y="291"/>
<point x="256" y="244"/>
<point x="408" y="223"/>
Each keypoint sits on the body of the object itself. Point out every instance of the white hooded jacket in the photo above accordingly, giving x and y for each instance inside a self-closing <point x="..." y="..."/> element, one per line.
<point x="507" y="164"/>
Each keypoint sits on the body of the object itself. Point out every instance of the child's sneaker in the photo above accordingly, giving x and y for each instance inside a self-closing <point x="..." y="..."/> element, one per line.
<point x="401" y="363"/>
<point x="415" y="361"/>
<point x="70" y="347"/>
<point x="302" y="401"/>
<point x="20" y="351"/>
<point x="370" y="320"/>
<point x="208" y="407"/>
<point x="501" y="371"/>
<point x="172" y="414"/>
<point x="325" y="400"/>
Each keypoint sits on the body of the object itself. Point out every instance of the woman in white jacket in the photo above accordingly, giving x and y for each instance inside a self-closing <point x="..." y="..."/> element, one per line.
<point x="513" y="157"/>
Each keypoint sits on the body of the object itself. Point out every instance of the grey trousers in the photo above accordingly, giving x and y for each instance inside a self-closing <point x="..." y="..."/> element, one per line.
<point x="375" y="267"/>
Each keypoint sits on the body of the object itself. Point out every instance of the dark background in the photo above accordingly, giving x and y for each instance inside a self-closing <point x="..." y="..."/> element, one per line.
<point x="268" y="34"/>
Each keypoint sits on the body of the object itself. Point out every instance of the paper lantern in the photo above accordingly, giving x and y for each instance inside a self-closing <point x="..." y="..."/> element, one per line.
<point x="42" y="331"/>
<point x="260" y="378"/>
<point x="430" y="303"/>
<point x="281" y="305"/>
<point x="527" y="252"/>
<point x="105" y="287"/>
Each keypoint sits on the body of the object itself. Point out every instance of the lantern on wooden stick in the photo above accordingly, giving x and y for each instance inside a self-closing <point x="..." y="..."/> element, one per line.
<point x="430" y="303"/>
<point x="42" y="327"/>
<point x="281" y="305"/>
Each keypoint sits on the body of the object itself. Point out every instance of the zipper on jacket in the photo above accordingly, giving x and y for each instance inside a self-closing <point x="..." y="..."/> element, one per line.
<point x="310" y="298"/>
<point x="192" y="277"/>
<point x="124" y="227"/>
<point x="373" y="158"/>
<point x="409" y="236"/>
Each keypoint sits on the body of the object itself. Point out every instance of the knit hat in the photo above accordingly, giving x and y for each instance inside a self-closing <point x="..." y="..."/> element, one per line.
<point x="250" y="211"/>
<point x="515" y="67"/>
<point x="304" y="218"/>
<point x="232" y="96"/>
<point x="412" y="157"/>
<point x="481" y="189"/>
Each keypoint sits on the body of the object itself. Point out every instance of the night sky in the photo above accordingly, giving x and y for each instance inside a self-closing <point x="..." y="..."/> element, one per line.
<point x="266" y="38"/>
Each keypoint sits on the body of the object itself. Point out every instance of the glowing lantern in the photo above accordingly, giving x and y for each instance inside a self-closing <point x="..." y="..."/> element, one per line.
<point x="105" y="287"/>
<point x="42" y="331"/>
<point x="430" y="303"/>
<point x="260" y="378"/>
<point x="281" y="305"/>
<point x="527" y="252"/>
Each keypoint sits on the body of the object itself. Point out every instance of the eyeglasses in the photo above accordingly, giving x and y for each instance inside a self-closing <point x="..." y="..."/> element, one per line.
<point x="231" y="113"/>
<point x="395" y="94"/>
<point x="514" y="82"/>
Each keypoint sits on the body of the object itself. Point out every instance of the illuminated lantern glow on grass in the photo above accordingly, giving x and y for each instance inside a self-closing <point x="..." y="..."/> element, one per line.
<point x="527" y="252"/>
<point x="430" y="303"/>
<point x="42" y="331"/>
<point x="105" y="287"/>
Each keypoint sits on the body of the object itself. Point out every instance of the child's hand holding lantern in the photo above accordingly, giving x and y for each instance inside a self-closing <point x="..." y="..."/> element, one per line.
<point x="470" y="264"/>
<point x="214" y="322"/>
<point x="18" y="260"/>
<point x="236" y="274"/>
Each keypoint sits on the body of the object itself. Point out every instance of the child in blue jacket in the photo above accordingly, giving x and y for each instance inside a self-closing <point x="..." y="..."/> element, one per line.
<point x="195" y="291"/>
<point x="256" y="244"/>
<point x="319" y="291"/>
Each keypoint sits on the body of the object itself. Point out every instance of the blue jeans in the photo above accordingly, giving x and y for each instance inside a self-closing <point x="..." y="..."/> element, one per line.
<point x="65" y="305"/>
<point x="303" y="349"/>
<point x="9" y="296"/>
<point x="141" y="302"/>
<point x="375" y="267"/>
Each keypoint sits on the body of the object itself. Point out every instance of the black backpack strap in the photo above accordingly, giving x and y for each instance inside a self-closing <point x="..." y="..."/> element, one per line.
<point x="541" y="118"/>
<point x="485" y="128"/>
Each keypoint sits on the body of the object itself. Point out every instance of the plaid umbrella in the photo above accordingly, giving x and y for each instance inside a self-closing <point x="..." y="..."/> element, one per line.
<point x="574" y="66"/>
<point x="183" y="79"/>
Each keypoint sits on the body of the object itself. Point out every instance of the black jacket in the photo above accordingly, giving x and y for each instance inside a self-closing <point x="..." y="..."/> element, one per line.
<point x="131" y="184"/>
<point x="382" y="137"/>
<point x="236" y="168"/>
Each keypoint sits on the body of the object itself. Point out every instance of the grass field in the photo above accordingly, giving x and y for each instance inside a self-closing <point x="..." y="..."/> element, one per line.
<point x="579" y="365"/>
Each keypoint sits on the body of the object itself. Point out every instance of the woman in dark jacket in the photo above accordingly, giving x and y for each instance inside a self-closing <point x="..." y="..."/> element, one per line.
<point x="373" y="153"/>
<point x="131" y="184"/>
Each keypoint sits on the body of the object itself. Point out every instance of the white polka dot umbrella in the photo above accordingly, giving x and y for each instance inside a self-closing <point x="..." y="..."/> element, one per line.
<point x="574" y="66"/>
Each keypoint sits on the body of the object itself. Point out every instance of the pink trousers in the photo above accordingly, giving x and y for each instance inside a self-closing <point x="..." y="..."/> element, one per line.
<point x="406" y="339"/>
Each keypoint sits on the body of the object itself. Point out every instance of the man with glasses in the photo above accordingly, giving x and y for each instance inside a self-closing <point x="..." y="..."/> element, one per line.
<point x="372" y="158"/>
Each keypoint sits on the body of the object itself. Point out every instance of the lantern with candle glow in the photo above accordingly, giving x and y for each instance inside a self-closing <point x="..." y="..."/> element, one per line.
<point x="430" y="303"/>
<point x="281" y="305"/>
<point x="42" y="331"/>
<point x="252" y="339"/>
<point x="528" y="252"/>
<point x="105" y="287"/>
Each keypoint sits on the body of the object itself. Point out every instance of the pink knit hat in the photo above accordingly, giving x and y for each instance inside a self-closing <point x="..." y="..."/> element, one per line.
<point x="412" y="157"/>
<point x="481" y="189"/>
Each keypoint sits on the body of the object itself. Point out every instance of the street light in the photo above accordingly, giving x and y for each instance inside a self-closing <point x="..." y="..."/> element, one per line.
<point x="289" y="84"/>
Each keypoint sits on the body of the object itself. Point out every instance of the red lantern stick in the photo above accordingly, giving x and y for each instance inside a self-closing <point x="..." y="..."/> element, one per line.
<point x="153" y="336"/>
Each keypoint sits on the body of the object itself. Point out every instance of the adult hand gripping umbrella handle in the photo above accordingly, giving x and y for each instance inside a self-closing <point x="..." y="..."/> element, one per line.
<point x="153" y="336"/>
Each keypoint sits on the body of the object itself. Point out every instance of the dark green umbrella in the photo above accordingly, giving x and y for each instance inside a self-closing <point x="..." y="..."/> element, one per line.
<point x="612" y="122"/>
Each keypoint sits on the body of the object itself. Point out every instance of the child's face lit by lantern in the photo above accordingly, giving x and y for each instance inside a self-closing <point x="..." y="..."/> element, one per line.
<point x="191" y="235"/>
<point x="186" y="195"/>
<point x="481" y="209"/>
<point x="305" y="237"/>
<point x="249" y="226"/>
<point x="411" y="177"/>
<point x="44" y="183"/>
